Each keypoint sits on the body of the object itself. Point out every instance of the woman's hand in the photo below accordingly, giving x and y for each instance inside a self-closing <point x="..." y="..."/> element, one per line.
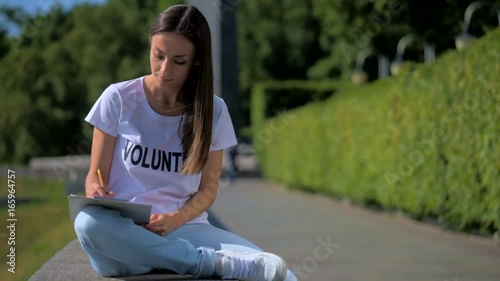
<point x="163" y="224"/>
<point x="96" y="189"/>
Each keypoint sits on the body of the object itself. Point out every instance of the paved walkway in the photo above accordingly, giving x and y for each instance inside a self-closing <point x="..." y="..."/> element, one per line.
<point x="323" y="240"/>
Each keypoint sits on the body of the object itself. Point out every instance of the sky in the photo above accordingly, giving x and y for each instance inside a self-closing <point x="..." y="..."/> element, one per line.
<point x="41" y="6"/>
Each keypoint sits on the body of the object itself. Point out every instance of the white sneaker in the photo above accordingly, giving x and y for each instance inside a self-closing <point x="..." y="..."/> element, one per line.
<point x="249" y="266"/>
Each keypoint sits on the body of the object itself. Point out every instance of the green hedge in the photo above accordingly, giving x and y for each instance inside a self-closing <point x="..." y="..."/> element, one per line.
<point x="425" y="142"/>
<point x="271" y="98"/>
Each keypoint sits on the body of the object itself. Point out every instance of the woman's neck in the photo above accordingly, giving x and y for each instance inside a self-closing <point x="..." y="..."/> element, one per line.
<point x="163" y="101"/>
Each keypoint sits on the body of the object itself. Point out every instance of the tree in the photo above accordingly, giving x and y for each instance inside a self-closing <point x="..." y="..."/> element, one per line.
<point x="277" y="40"/>
<point x="54" y="71"/>
<point x="348" y="27"/>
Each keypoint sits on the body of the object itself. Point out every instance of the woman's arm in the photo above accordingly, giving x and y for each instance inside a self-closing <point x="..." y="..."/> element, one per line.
<point x="103" y="146"/>
<point x="164" y="223"/>
<point x="207" y="193"/>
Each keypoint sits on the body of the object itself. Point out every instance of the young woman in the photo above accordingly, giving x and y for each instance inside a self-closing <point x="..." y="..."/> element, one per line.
<point x="158" y="139"/>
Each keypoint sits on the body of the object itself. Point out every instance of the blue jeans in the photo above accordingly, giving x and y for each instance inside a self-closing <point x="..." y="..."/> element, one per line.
<point x="118" y="247"/>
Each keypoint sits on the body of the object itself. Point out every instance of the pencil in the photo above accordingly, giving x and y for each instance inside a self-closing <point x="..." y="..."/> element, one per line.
<point x="101" y="181"/>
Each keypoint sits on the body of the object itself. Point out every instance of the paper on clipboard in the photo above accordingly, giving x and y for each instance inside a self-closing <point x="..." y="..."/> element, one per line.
<point x="139" y="213"/>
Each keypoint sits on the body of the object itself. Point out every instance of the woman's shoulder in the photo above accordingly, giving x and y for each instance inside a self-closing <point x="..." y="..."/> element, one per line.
<point x="219" y="105"/>
<point x="124" y="89"/>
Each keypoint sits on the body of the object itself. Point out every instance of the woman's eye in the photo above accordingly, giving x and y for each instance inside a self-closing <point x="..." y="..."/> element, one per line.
<point x="160" y="57"/>
<point x="180" y="62"/>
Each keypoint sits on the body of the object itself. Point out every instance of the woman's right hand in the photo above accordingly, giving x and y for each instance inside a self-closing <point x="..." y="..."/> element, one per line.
<point x="96" y="189"/>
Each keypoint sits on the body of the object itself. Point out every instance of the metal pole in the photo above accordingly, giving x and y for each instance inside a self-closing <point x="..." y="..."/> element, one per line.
<point x="211" y="11"/>
<point x="229" y="63"/>
<point x="469" y="11"/>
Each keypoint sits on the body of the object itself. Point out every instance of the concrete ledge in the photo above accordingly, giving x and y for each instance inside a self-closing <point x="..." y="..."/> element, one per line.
<point x="63" y="168"/>
<point x="71" y="263"/>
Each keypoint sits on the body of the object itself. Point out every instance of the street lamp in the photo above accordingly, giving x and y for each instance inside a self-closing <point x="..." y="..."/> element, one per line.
<point x="464" y="39"/>
<point x="360" y="76"/>
<point x="429" y="52"/>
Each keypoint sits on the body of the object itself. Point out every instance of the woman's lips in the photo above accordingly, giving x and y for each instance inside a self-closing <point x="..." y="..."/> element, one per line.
<point x="165" y="79"/>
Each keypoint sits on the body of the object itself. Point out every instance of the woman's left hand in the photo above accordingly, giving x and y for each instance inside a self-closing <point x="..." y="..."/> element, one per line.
<point x="163" y="224"/>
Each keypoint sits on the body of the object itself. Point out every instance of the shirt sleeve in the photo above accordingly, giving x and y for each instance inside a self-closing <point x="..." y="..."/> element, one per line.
<point x="223" y="131"/>
<point x="106" y="112"/>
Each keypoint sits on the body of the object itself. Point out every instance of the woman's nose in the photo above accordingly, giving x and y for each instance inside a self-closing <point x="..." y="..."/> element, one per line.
<point x="165" y="67"/>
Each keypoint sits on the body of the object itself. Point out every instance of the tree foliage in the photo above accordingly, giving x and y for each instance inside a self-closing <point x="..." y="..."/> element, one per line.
<point x="320" y="39"/>
<point x="277" y="40"/>
<point x="53" y="71"/>
<point x="56" y="68"/>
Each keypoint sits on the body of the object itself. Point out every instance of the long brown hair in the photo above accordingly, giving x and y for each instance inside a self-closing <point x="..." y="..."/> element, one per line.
<point x="197" y="91"/>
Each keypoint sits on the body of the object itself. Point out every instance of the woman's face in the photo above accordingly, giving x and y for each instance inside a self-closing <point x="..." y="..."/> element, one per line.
<point x="171" y="57"/>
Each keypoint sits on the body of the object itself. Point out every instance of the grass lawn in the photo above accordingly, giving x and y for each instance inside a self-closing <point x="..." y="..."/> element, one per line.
<point x="43" y="226"/>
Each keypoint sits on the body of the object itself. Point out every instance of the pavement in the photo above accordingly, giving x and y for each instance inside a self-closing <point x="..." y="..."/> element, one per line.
<point x="323" y="239"/>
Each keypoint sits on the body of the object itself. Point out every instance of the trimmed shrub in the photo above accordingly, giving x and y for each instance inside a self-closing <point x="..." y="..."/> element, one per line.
<point x="424" y="142"/>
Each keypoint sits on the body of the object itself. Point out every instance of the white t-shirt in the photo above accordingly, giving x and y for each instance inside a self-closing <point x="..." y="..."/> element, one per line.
<point x="147" y="160"/>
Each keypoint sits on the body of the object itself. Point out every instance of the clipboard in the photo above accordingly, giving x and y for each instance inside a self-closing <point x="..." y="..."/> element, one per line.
<point x="139" y="213"/>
